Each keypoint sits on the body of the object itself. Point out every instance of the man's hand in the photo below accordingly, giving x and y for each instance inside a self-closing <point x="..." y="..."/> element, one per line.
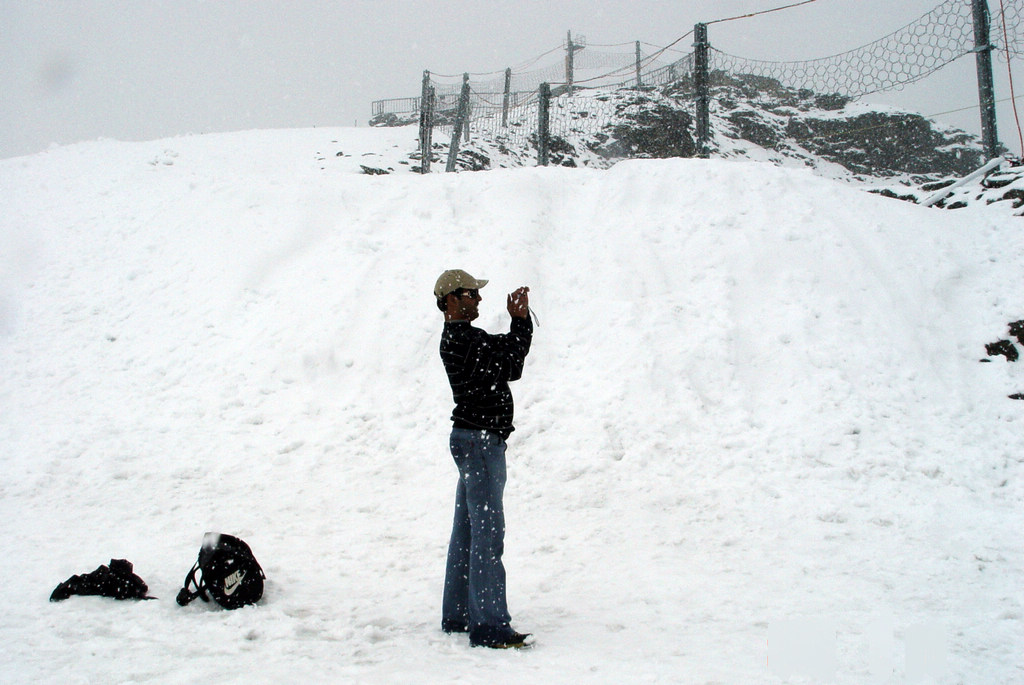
<point x="519" y="303"/>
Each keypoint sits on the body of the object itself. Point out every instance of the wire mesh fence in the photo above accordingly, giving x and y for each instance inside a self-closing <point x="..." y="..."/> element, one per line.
<point x="489" y="116"/>
<point x="506" y="103"/>
<point x="1008" y="28"/>
<point x="909" y="54"/>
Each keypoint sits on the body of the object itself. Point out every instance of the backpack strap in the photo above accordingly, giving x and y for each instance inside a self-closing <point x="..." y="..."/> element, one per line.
<point x="185" y="596"/>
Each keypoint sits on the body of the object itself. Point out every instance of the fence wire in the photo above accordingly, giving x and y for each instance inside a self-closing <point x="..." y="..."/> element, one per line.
<point x="615" y="67"/>
<point x="487" y="116"/>
<point x="584" y="112"/>
<point x="618" y="69"/>
<point x="580" y="115"/>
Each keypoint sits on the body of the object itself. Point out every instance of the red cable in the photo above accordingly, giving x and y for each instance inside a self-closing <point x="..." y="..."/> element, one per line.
<point x="1009" y="71"/>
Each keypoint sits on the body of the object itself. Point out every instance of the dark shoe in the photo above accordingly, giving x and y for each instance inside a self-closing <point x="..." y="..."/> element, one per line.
<point x="450" y="626"/>
<point x="498" y="638"/>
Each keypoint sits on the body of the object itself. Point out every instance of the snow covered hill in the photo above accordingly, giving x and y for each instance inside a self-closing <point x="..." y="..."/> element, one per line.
<point x="755" y="443"/>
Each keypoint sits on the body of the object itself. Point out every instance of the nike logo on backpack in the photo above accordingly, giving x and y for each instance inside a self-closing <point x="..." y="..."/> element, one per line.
<point x="232" y="582"/>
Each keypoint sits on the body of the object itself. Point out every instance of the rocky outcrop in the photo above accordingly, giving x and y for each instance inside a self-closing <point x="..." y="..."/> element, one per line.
<point x="760" y="118"/>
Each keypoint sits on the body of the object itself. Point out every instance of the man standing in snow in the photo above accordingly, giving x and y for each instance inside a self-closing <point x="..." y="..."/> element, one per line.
<point x="479" y="367"/>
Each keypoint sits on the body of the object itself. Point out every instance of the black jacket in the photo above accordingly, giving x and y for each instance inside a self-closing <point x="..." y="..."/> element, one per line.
<point x="480" y="366"/>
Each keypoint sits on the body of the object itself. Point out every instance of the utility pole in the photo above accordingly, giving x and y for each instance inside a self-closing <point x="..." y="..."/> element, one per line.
<point x="639" y="83"/>
<point x="986" y="91"/>
<point x="570" y="50"/>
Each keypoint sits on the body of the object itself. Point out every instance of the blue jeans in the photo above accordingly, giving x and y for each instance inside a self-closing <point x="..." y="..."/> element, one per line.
<point x="474" y="584"/>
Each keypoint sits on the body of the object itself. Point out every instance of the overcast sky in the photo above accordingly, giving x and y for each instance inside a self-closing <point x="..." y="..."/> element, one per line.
<point x="73" y="70"/>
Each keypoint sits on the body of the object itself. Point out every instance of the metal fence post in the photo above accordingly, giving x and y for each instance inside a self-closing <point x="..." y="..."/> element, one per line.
<point x="701" y="86"/>
<point x="504" y="100"/>
<point x="426" y="123"/>
<point x="986" y="91"/>
<point x="543" y="124"/>
<point x="569" y="50"/>
<point x="460" y="121"/>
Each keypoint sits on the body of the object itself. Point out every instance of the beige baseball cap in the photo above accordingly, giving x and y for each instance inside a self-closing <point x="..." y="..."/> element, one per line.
<point x="453" y="279"/>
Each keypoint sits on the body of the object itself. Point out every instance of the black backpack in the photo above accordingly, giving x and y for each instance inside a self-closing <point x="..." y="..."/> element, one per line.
<point x="117" y="580"/>
<point x="229" y="573"/>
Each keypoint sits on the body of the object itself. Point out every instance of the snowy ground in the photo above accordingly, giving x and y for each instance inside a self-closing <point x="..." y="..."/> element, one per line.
<point x="755" y="443"/>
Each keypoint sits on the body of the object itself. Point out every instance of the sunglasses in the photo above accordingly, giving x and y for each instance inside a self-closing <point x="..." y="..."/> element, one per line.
<point x="472" y="293"/>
